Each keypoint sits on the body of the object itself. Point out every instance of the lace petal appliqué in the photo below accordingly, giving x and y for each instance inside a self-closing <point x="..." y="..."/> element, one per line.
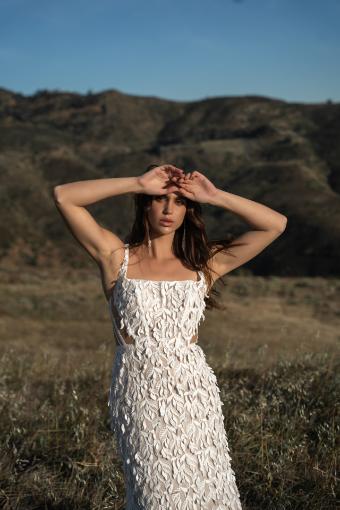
<point x="165" y="406"/>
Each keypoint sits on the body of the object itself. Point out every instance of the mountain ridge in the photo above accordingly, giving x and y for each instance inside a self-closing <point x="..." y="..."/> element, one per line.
<point x="285" y="155"/>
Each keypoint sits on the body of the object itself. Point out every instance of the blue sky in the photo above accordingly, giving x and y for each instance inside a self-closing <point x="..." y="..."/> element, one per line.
<point x="181" y="50"/>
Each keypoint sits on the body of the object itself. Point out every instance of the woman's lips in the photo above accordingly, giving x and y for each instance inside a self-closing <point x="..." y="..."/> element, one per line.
<point x="166" y="222"/>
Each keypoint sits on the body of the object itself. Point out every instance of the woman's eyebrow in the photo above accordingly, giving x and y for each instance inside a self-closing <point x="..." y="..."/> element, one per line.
<point x="168" y="195"/>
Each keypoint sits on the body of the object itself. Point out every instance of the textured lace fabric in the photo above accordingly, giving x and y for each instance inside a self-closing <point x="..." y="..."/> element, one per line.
<point x="165" y="407"/>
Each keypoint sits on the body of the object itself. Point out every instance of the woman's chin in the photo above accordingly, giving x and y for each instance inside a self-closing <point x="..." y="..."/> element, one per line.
<point x="166" y="229"/>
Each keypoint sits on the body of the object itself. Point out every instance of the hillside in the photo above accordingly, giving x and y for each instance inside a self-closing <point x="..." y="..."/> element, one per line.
<point x="285" y="155"/>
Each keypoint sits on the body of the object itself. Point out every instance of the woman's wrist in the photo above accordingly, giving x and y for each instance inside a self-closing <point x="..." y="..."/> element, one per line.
<point x="217" y="198"/>
<point x="136" y="186"/>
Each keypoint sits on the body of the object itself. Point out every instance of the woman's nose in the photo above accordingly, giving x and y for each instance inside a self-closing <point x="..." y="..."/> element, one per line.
<point x="168" y="208"/>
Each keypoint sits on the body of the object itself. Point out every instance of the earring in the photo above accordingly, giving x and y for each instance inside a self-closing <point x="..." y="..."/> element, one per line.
<point x="149" y="244"/>
<point x="148" y="238"/>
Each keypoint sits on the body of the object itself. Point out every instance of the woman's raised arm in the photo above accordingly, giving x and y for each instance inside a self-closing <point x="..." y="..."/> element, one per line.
<point x="266" y="223"/>
<point x="71" y="199"/>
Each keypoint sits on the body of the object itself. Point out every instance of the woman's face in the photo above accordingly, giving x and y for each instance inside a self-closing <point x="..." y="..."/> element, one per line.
<point x="172" y="207"/>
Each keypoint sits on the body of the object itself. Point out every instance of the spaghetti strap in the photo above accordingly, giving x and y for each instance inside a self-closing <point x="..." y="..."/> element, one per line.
<point x="126" y="256"/>
<point x="123" y="267"/>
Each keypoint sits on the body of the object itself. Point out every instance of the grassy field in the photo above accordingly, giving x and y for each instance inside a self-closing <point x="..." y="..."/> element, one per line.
<point x="274" y="349"/>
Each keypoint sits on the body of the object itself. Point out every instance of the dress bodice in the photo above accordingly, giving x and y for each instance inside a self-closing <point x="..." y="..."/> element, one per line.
<point x="155" y="312"/>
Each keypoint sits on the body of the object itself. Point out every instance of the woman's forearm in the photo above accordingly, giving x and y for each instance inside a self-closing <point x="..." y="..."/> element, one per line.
<point x="255" y="214"/>
<point x="83" y="193"/>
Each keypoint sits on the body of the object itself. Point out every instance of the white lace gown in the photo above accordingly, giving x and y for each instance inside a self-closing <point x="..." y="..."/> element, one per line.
<point x="165" y="407"/>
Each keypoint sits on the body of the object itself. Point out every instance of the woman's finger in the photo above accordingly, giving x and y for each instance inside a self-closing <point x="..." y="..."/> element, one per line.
<point x="184" y="192"/>
<point x="183" y="183"/>
<point x="177" y="170"/>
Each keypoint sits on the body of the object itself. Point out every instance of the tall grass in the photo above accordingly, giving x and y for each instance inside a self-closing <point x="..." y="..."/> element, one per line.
<point x="282" y="425"/>
<point x="57" y="451"/>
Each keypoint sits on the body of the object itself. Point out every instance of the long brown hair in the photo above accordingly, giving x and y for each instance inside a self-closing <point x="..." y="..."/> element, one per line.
<point x="190" y="243"/>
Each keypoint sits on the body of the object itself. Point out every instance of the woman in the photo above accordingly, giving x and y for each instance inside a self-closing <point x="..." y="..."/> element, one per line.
<point x="164" y="399"/>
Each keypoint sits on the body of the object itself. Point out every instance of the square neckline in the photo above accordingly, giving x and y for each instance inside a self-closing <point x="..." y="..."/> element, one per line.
<point x="125" y="268"/>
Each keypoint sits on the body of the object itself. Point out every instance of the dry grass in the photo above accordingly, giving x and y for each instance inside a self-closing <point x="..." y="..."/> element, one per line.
<point x="274" y="350"/>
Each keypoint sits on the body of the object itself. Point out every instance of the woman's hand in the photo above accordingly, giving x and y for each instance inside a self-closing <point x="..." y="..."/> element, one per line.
<point x="197" y="187"/>
<point x="160" y="180"/>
